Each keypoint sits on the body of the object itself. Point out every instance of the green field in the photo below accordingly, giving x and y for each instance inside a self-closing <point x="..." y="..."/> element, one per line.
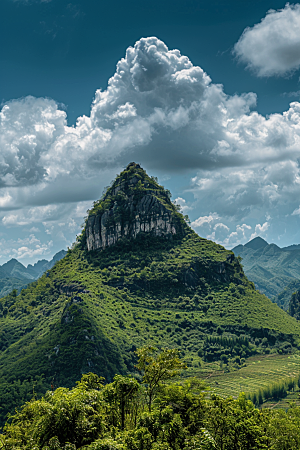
<point x="292" y="397"/>
<point x="259" y="372"/>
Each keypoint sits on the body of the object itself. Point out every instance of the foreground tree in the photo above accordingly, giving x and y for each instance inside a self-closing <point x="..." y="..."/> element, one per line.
<point x="122" y="396"/>
<point x="171" y="416"/>
<point x="64" y="416"/>
<point x="157" y="367"/>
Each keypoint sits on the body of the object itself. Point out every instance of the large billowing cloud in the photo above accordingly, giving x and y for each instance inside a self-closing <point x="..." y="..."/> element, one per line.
<point x="28" y="128"/>
<point x="164" y="112"/>
<point x="159" y="109"/>
<point x="272" y="47"/>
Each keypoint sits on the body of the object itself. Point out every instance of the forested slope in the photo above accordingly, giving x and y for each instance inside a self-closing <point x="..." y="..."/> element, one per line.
<point x="94" y="308"/>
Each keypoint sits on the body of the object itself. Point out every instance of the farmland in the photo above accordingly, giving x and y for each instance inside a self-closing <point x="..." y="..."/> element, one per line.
<point x="259" y="372"/>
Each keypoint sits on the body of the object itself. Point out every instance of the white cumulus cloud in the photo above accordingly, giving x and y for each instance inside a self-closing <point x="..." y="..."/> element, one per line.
<point x="272" y="47"/>
<point x="204" y="220"/>
<point x="158" y="109"/>
<point x="165" y="113"/>
<point x="27" y="248"/>
<point x="28" y="128"/>
<point x="260" y="230"/>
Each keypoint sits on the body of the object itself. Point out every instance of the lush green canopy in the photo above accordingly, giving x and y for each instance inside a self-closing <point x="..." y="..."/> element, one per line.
<point x="119" y="416"/>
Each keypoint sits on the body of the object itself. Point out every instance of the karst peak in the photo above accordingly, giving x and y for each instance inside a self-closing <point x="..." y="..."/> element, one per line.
<point x="134" y="204"/>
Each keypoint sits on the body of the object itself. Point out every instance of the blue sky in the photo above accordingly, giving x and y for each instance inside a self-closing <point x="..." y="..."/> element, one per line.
<point x="204" y="96"/>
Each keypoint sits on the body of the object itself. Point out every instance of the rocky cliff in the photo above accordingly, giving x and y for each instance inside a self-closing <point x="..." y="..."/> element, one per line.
<point x="134" y="204"/>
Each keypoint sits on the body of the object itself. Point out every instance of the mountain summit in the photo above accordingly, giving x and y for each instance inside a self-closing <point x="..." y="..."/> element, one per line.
<point x="275" y="271"/>
<point x="256" y="243"/>
<point x="134" y="204"/>
<point x="138" y="275"/>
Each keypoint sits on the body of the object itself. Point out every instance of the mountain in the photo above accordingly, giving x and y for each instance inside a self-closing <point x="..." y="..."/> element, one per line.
<point x="256" y="244"/>
<point x="273" y="270"/>
<point x="294" y="305"/>
<point x="293" y="247"/>
<point x="137" y="275"/>
<point x="14" y="275"/>
<point x="43" y="265"/>
<point x="283" y="299"/>
<point x="14" y="268"/>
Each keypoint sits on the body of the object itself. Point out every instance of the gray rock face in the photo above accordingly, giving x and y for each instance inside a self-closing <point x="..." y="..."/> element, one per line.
<point x="148" y="215"/>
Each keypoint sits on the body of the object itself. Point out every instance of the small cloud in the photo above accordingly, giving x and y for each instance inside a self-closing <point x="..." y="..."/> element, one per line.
<point x="240" y="235"/>
<point x="204" y="220"/>
<point x="291" y="94"/>
<point x="5" y="200"/>
<point x="12" y="220"/>
<point x="182" y="202"/>
<point x="272" y="47"/>
<point x="219" y="234"/>
<point x="29" y="247"/>
<point x="33" y="215"/>
<point x="260" y="230"/>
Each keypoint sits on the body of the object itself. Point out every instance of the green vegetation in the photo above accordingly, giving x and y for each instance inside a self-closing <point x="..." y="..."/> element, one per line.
<point x="255" y="374"/>
<point x="132" y="181"/>
<point x="294" y="306"/>
<point x="283" y="299"/>
<point x="119" y="416"/>
<point x="92" y="310"/>
<point x="275" y="391"/>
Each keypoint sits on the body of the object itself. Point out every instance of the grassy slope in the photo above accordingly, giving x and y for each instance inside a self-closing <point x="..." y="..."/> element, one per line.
<point x="171" y="293"/>
<point x="93" y="309"/>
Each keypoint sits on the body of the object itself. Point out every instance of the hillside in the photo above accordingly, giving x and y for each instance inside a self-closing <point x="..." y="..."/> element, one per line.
<point x="271" y="268"/>
<point x="14" y="275"/>
<point x="284" y="298"/>
<point x="138" y="274"/>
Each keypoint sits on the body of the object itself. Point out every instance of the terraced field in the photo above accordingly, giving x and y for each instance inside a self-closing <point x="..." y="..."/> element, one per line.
<point x="292" y="397"/>
<point x="259" y="372"/>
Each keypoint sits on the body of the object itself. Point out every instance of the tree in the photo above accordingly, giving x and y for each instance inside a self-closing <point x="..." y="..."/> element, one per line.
<point x="235" y="424"/>
<point x="73" y="416"/>
<point x="157" y="368"/>
<point x="121" y="395"/>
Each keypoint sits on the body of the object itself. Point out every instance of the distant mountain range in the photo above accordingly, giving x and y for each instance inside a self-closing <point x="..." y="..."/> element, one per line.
<point x="275" y="271"/>
<point x="14" y="275"/>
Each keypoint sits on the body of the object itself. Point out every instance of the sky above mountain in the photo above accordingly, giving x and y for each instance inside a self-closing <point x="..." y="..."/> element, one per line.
<point x="205" y="96"/>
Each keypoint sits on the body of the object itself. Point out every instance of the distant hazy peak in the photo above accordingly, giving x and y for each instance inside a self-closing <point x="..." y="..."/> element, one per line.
<point x="59" y="255"/>
<point x="256" y="243"/>
<point x="237" y="249"/>
<point x="9" y="265"/>
<point x="14" y="268"/>
<point x="292" y="247"/>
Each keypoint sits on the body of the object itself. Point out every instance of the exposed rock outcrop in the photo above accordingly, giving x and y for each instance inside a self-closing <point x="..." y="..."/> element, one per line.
<point x="134" y="204"/>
